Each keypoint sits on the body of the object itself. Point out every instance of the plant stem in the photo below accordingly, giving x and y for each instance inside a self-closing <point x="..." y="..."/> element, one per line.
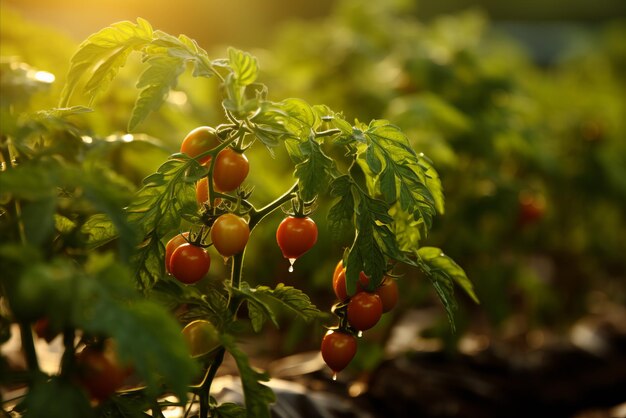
<point x="28" y="345"/>
<point x="235" y="281"/>
<point x="258" y="215"/>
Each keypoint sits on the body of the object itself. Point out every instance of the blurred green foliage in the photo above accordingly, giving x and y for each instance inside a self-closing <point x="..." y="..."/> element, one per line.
<point x="501" y="130"/>
<point x="507" y="135"/>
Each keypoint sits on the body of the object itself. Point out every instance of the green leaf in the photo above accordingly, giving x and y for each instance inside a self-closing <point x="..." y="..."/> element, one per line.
<point x="100" y="230"/>
<point x="145" y="334"/>
<point x="258" y="310"/>
<point x="155" y="83"/>
<point x="103" y="54"/>
<point x="38" y="219"/>
<point x="184" y="48"/>
<point x="394" y="172"/>
<point x="314" y="173"/>
<point x="258" y="397"/>
<point x="443" y="272"/>
<point x="245" y="67"/>
<point x="297" y="117"/>
<point x="229" y="410"/>
<point x="432" y="181"/>
<point x="57" y="398"/>
<point x="341" y="214"/>
<point x="211" y="304"/>
<point x="289" y="297"/>
<point x="167" y="197"/>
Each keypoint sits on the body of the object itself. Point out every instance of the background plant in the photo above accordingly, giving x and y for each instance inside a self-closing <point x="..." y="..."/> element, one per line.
<point x="86" y="247"/>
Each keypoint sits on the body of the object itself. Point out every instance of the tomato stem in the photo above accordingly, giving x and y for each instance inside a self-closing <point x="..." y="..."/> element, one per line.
<point x="28" y="344"/>
<point x="257" y="216"/>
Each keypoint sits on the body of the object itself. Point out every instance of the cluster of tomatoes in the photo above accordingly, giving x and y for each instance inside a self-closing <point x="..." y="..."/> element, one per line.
<point x="357" y="313"/>
<point x="186" y="257"/>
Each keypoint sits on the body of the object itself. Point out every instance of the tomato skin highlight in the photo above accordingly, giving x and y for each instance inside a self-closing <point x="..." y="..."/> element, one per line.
<point x="230" y="170"/>
<point x="99" y="373"/>
<point x="189" y="263"/>
<point x="364" y="310"/>
<point x="199" y="140"/>
<point x="175" y="242"/>
<point x="338" y="349"/>
<point x="230" y="234"/>
<point x="296" y="235"/>
<point x="388" y="294"/>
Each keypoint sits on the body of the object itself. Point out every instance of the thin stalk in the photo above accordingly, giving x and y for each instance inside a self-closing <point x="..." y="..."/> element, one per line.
<point x="28" y="345"/>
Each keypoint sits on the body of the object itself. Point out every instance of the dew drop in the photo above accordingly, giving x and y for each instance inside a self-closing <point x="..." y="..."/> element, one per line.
<point x="360" y="334"/>
<point x="291" y="261"/>
<point x="334" y="376"/>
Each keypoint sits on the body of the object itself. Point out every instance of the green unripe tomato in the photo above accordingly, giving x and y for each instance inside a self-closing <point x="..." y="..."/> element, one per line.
<point x="201" y="337"/>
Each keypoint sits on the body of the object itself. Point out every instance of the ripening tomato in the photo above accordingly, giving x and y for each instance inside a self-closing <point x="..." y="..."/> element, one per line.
<point x="198" y="141"/>
<point x="388" y="293"/>
<point x="230" y="170"/>
<point x="99" y="372"/>
<point x="339" y="285"/>
<point x="338" y="349"/>
<point x="189" y="263"/>
<point x="296" y="236"/>
<point x="175" y="242"/>
<point x="201" y="337"/>
<point x="202" y="192"/>
<point x="230" y="234"/>
<point x="364" y="310"/>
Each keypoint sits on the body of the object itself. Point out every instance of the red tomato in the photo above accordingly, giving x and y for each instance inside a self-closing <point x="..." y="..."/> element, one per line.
<point x="296" y="236"/>
<point x="198" y="141"/>
<point x="230" y="170"/>
<point x="339" y="284"/>
<point x="99" y="372"/>
<point x="189" y="263"/>
<point x="364" y="310"/>
<point x="388" y="293"/>
<point x="338" y="349"/>
<point x="172" y="244"/>
<point x="230" y="234"/>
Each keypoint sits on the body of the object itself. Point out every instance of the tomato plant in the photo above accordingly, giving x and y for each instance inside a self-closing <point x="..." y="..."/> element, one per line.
<point x="189" y="263"/>
<point x="296" y="235"/>
<point x="338" y="349"/>
<point x="231" y="169"/>
<point x="84" y="244"/>
<point x="230" y="234"/>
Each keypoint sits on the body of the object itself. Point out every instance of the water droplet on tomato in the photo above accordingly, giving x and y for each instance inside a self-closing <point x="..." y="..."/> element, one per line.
<point x="291" y="261"/>
<point x="360" y="334"/>
<point x="334" y="375"/>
